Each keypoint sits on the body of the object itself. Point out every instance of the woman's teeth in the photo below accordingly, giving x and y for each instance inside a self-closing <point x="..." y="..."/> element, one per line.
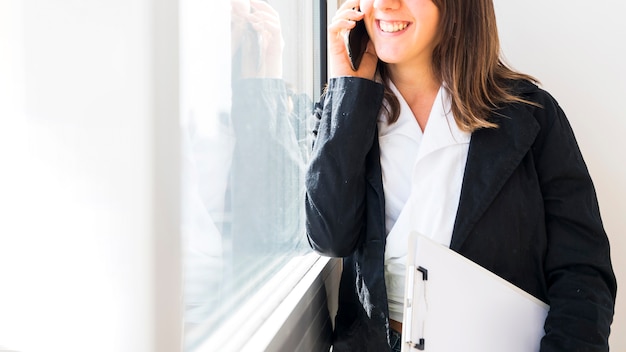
<point x="390" y="27"/>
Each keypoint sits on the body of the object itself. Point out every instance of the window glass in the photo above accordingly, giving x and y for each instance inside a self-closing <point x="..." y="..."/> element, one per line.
<point x="247" y="86"/>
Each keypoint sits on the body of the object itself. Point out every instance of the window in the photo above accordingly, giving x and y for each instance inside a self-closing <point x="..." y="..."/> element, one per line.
<point x="250" y="71"/>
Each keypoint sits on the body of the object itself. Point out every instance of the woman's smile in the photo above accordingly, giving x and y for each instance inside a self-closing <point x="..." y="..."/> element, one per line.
<point x="392" y="26"/>
<point x="402" y="31"/>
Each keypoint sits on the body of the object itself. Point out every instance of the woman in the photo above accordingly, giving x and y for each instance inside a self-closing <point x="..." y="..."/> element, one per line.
<point x="434" y="133"/>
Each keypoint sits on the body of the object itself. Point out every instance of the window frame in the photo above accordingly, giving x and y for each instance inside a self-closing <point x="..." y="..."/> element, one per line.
<point x="295" y="302"/>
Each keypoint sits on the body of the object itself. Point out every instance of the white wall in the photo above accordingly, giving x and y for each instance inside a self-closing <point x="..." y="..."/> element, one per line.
<point x="84" y="211"/>
<point x="577" y="49"/>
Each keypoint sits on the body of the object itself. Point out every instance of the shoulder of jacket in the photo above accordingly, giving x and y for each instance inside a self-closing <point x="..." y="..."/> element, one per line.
<point x="540" y="105"/>
<point x="533" y="93"/>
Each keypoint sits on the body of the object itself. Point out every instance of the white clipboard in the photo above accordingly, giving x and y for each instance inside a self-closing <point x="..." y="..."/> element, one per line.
<point x="454" y="305"/>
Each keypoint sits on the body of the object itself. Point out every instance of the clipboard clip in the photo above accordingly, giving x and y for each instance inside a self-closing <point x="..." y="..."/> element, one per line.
<point x="424" y="272"/>
<point x="421" y="344"/>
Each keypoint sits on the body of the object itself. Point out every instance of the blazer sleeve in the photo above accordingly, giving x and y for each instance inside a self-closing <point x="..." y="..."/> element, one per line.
<point x="335" y="177"/>
<point x="579" y="275"/>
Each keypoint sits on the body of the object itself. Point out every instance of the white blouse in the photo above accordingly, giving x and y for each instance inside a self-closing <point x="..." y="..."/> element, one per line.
<point x="422" y="177"/>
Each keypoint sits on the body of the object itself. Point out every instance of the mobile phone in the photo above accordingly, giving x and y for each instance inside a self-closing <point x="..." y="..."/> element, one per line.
<point x="356" y="41"/>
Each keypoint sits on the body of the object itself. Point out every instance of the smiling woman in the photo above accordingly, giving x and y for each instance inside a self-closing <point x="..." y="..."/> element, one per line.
<point x="436" y="134"/>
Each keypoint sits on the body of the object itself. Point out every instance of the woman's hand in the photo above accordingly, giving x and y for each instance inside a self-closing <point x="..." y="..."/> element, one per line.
<point x="339" y="62"/>
<point x="257" y="33"/>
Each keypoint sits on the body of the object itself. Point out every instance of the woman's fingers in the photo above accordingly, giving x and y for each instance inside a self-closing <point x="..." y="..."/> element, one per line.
<point x="339" y="63"/>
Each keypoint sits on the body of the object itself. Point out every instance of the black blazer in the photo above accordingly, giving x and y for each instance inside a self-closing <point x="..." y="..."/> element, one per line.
<point x="528" y="212"/>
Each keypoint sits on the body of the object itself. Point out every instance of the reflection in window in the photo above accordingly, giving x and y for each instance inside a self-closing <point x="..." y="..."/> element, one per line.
<point x="246" y="95"/>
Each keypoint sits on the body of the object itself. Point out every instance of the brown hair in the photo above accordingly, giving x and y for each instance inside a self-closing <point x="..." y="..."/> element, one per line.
<point x="467" y="58"/>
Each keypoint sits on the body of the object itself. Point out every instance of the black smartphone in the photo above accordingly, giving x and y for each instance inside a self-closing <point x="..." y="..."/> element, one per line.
<point x="356" y="42"/>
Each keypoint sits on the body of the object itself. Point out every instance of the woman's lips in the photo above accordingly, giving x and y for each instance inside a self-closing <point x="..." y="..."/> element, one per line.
<point x="392" y="26"/>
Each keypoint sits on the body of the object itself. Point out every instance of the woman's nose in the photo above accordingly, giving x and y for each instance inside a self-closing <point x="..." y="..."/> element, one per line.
<point x="387" y="4"/>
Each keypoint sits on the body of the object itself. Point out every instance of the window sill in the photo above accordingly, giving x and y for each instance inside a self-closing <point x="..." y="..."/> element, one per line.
<point x="290" y="313"/>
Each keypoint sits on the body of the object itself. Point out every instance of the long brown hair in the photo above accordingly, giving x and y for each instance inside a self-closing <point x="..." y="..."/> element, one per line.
<point x="468" y="59"/>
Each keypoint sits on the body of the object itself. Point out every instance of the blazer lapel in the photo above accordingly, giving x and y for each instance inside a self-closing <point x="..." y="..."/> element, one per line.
<point x="493" y="156"/>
